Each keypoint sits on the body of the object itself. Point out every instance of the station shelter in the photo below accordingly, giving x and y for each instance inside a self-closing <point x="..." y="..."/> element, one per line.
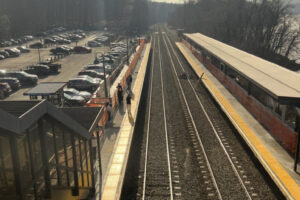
<point x="47" y="152"/>
<point x="52" y="91"/>
<point x="268" y="91"/>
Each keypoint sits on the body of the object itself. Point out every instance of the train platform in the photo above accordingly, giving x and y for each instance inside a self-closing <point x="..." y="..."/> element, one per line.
<point x="115" y="150"/>
<point x="273" y="157"/>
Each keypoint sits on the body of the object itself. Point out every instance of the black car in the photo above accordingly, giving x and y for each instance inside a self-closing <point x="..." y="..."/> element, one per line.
<point x="54" y="67"/>
<point x="60" y="50"/>
<point x="13" y="82"/>
<point x="36" y="45"/>
<point x="23" y="77"/>
<point x="83" y="84"/>
<point x="40" y="70"/>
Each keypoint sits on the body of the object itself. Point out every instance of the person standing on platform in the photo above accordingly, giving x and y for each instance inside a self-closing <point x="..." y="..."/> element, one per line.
<point x="128" y="102"/>
<point x="109" y="110"/>
<point x="128" y="82"/>
<point x="120" y="94"/>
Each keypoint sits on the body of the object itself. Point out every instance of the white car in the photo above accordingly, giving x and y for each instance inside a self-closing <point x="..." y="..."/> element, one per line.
<point x="73" y="92"/>
<point x="87" y="77"/>
<point x="74" y="100"/>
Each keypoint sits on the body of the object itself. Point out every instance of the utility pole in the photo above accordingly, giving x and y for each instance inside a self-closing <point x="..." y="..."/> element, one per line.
<point x="39" y="55"/>
<point x="105" y="84"/>
<point x="127" y="50"/>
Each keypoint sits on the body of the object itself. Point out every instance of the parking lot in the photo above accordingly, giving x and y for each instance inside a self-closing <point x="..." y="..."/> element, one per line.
<point x="71" y="64"/>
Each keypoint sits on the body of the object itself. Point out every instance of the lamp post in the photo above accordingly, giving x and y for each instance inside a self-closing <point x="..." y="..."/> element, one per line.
<point x="103" y="63"/>
<point x="39" y="55"/>
<point x="105" y="84"/>
<point x="127" y="49"/>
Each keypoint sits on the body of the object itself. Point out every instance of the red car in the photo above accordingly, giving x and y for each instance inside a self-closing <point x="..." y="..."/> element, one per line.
<point x="82" y="49"/>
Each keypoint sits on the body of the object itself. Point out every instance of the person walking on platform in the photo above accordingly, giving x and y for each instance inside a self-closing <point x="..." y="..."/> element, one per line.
<point x="120" y="94"/>
<point x="128" y="82"/>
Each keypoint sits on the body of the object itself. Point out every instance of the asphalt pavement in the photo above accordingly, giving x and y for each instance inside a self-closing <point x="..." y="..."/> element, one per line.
<point x="71" y="64"/>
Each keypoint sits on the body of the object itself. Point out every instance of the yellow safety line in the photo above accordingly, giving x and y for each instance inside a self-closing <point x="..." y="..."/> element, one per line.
<point x="116" y="172"/>
<point x="281" y="177"/>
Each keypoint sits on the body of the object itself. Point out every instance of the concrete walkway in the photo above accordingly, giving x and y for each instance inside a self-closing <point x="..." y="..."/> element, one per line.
<point x="112" y="129"/>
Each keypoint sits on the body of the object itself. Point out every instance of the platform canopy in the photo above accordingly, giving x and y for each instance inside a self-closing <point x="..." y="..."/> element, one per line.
<point x="45" y="89"/>
<point x="279" y="82"/>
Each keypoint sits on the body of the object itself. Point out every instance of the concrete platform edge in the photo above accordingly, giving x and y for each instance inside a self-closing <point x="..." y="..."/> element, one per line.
<point x="112" y="185"/>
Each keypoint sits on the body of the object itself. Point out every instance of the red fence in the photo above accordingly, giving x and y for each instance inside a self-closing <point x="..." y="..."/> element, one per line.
<point x="282" y="133"/>
<point x="97" y="101"/>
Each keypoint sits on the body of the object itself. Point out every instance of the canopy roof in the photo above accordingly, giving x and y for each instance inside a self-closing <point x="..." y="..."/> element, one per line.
<point x="279" y="82"/>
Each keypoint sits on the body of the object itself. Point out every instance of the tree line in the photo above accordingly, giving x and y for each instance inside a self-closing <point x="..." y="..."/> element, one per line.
<point x="265" y="28"/>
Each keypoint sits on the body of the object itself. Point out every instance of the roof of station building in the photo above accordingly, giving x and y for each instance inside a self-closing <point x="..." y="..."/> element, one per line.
<point x="18" y="116"/>
<point x="46" y="88"/>
<point x="279" y="82"/>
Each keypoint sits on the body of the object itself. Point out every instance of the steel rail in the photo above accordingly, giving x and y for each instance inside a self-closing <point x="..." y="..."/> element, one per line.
<point x="165" y="122"/>
<point x="148" y="124"/>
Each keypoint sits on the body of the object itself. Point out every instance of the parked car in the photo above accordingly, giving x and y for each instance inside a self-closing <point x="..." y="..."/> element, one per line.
<point x="95" y="67"/>
<point x="63" y="41"/>
<point x="13" y="52"/>
<point x="92" y="73"/>
<point x="23" y="77"/>
<point x="54" y="67"/>
<point x="14" y="42"/>
<point x="29" y="37"/>
<point x="5" y="88"/>
<point x="82" y="49"/>
<point x="73" y="92"/>
<point x="49" y="41"/>
<point x="7" y="43"/>
<point x="106" y="59"/>
<point x="2" y="72"/>
<point x="40" y="70"/>
<point x="83" y="84"/>
<point x="94" y="44"/>
<point x="36" y="45"/>
<point x="70" y="49"/>
<point x="74" y="100"/>
<point x="13" y="82"/>
<point x="23" y="49"/>
<point x="97" y="80"/>
<point x="4" y="53"/>
<point x="59" y="50"/>
<point x="2" y="57"/>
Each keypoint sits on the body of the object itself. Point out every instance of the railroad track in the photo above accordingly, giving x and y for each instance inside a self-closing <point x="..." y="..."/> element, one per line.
<point x="205" y="159"/>
<point x="157" y="178"/>
<point x="236" y="185"/>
